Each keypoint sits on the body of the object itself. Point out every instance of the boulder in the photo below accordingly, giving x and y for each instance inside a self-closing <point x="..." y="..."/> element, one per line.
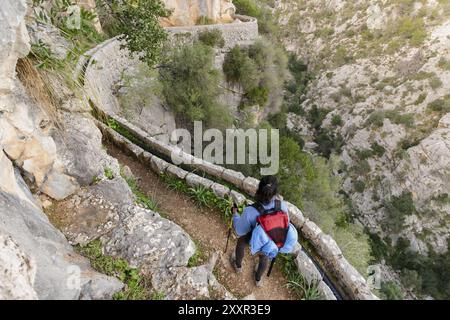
<point x="93" y="211"/>
<point x="190" y="283"/>
<point x="149" y="241"/>
<point x="80" y="148"/>
<point x="60" y="273"/>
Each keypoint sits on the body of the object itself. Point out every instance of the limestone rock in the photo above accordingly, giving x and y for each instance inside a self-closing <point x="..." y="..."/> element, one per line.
<point x="80" y="148"/>
<point x="94" y="211"/>
<point x="17" y="271"/>
<point x="146" y="240"/>
<point x="190" y="283"/>
<point x="187" y="13"/>
<point x="14" y="41"/>
<point x="60" y="272"/>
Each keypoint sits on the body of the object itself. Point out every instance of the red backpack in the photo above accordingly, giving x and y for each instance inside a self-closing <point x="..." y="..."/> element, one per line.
<point x="275" y="223"/>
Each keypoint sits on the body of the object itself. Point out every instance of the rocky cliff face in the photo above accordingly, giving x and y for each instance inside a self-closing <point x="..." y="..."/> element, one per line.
<point x="382" y="74"/>
<point x="52" y="157"/>
<point x="188" y="13"/>
<point x="36" y="260"/>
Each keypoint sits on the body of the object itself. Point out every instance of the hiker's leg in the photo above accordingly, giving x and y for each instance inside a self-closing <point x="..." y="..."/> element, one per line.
<point x="262" y="266"/>
<point x="240" y="249"/>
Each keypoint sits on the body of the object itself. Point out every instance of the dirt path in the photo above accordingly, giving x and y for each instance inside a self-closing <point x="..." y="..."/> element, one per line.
<point x="208" y="230"/>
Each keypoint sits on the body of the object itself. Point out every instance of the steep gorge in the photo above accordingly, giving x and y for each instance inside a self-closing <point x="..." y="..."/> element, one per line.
<point x="379" y="100"/>
<point x="375" y="106"/>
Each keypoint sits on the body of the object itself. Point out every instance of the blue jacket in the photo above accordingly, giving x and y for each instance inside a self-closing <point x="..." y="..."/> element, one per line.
<point x="260" y="242"/>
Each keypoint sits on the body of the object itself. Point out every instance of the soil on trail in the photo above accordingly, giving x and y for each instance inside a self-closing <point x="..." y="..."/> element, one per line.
<point x="206" y="227"/>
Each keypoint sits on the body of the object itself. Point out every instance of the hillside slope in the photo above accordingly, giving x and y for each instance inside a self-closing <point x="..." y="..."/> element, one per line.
<point x="380" y="99"/>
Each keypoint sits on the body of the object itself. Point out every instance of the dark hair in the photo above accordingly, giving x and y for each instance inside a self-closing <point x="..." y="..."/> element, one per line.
<point x="267" y="189"/>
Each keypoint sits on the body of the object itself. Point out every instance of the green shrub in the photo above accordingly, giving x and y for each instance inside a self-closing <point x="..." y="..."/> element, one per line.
<point x="336" y="120"/>
<point x="391" y="291"/>
<point x="296" y="282"/>
<point x="328" y="142"/>
<point x="191" y="85"/>
<point x="435" y="83"/>
<point x="398" y="118"/>
<point x="342" y="57"/>
<point x="444" y="64"/>
<point x="409" y="142"/>
<point x="363" y="154"/>
<point x="266" y="23"/>
<point x="240" y="69"/>
<point x="411" y="279"/>
<point x="136" y="285"/>
<point x="359" y="186"/>
<point x="377" y="149"/>
<point x="257" y="95"/>
<point x="324" y="33"/>
<point x="213" y="38"/>
<point x="432" y="270"/>
<point x="440" y="105"/>
<point x="362" y="168"/>
<point x="260" y="70"/>
<point x="412" y="29"/>
<point x="198" y="258"/>
<point x="141" y="197"/>
<point x="316" y="116"/>
<point x="376" y="118"/>
<point x="299" y="71"/>
<point x="346" y="92"/>
<point x="421" y="98"/>
<point x="41" y="53"/>
<point x="109" y="173"/>
<point x="397" y="209"/>
<point x="422" y="75"/>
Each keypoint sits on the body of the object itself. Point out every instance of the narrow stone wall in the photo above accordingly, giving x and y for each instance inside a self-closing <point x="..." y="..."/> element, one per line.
<point x="243" y="30"/>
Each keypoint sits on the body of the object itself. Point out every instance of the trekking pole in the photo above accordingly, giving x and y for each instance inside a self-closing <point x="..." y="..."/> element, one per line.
<point x="271" y="266"/>
<point x="230" y="226"/>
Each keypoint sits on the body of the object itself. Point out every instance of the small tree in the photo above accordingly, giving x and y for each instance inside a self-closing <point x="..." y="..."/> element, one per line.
<point x="191" y="85"/>
<point x="140" y="28"/>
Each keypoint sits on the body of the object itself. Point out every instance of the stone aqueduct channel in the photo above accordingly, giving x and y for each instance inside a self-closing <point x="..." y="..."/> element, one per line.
<point x="102" y="66"/>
